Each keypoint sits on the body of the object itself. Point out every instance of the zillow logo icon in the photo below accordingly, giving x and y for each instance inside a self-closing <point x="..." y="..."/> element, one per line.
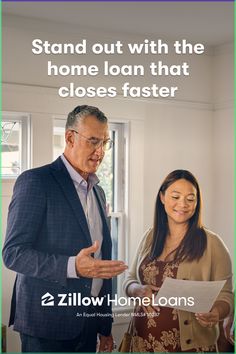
<point x="47" y="300"/>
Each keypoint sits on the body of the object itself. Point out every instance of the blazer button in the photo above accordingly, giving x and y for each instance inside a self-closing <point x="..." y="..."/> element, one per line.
<point x="188" y="341"/>
<point x="186" y="322"/>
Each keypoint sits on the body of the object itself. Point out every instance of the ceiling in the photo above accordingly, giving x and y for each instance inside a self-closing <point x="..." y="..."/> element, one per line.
<point x="211" y="23"/>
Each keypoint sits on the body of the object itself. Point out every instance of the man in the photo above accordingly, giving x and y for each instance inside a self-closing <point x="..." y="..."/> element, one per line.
<point x="58" y="242"/>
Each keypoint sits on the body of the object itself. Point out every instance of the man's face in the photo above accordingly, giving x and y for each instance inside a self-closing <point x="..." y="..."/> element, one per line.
<point x="80" y="152"/>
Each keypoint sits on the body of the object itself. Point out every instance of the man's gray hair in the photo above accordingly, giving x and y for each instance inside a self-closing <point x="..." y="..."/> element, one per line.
<point x="81" y="112"/>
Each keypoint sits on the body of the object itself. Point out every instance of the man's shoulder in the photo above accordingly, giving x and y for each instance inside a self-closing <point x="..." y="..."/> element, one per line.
<point x="34" y="173"/>
<point x="38" y="175"/>
<point x="39" y="171"/>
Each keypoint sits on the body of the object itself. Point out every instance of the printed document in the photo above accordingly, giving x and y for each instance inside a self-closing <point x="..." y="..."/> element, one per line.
<point x="188" y="295"/>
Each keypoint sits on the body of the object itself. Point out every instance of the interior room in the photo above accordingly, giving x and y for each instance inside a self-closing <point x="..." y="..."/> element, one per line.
<point x="153" y="135"/>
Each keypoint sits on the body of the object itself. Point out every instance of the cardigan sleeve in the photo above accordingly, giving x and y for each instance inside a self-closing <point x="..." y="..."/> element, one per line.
<point x="222" y="270"/>
<point x="132" y="276"/>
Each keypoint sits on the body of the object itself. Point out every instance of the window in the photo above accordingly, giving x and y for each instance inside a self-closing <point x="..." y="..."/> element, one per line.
<point x="15" y="140"/>
<point x="111" y="175"/>
<point x="58" y="137"/>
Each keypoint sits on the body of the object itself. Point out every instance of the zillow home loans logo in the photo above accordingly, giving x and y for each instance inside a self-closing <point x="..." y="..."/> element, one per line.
<point x="47" y="300"/>
<point x="76" y="299"/>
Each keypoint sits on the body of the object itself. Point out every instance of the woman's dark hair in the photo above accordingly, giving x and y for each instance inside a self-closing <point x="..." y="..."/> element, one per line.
<point x="194" y="242"/>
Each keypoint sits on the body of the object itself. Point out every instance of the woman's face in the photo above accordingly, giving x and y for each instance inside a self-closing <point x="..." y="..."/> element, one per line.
<point x="180" y="201"/>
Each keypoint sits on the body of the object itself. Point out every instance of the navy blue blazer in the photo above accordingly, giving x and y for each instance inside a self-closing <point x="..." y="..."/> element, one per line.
<point x="46" y="225"/>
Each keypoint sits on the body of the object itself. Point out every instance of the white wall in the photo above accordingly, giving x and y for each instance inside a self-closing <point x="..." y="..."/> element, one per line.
<point x="223" y="143"/>
<point x="177" y="138"/>
<point x="18" y="34"/>
<point x="194" y="132"/>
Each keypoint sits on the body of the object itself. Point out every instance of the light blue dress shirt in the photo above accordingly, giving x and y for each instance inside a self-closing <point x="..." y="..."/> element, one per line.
<point x="91" y="210"/>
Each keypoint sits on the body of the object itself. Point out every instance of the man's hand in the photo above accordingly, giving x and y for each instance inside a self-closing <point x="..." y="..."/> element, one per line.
<point x="89" y="267"/>
<point x="105" y="344"/>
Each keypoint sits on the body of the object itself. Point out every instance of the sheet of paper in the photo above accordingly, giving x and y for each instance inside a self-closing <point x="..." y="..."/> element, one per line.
<point x="188" y="295"/>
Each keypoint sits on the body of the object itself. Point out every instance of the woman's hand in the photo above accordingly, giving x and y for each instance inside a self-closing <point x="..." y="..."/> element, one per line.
<point x="208" y="319"/>
<point x="228" y="327"/>
<point x="138" y="290"/>
<point x="219" y="311"/>
<point x="105" y="344"/>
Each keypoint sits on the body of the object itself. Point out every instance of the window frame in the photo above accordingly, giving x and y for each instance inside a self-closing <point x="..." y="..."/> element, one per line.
<point x="118" y="165"/>
<point x="119" y="195"/>
<point x="24" y="140"/>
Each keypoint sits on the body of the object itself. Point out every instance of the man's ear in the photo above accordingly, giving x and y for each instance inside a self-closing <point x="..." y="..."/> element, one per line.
<point x="69" y="138"/>
<point x="162" y="197"/>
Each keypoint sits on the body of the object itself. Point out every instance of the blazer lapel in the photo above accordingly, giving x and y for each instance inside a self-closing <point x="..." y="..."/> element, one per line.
<point x="63" y="178"/>
<point x="106" y="244"/>
<point x="101" y="205"/>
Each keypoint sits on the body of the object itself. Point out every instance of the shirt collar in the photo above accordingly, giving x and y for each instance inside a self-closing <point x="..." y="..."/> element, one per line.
<point x="76" y="176"/>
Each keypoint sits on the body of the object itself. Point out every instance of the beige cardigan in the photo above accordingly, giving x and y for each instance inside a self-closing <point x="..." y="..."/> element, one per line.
<point x="215" y="264"/>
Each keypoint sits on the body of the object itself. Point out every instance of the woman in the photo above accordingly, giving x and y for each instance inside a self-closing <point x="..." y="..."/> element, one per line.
<point x="179" y="247"/>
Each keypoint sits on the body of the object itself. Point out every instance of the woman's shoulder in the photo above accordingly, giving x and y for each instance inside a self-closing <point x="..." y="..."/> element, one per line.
<point x="211" y="234"/>
<point x="146" y="240"/>
<point x="214" y="239"/>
